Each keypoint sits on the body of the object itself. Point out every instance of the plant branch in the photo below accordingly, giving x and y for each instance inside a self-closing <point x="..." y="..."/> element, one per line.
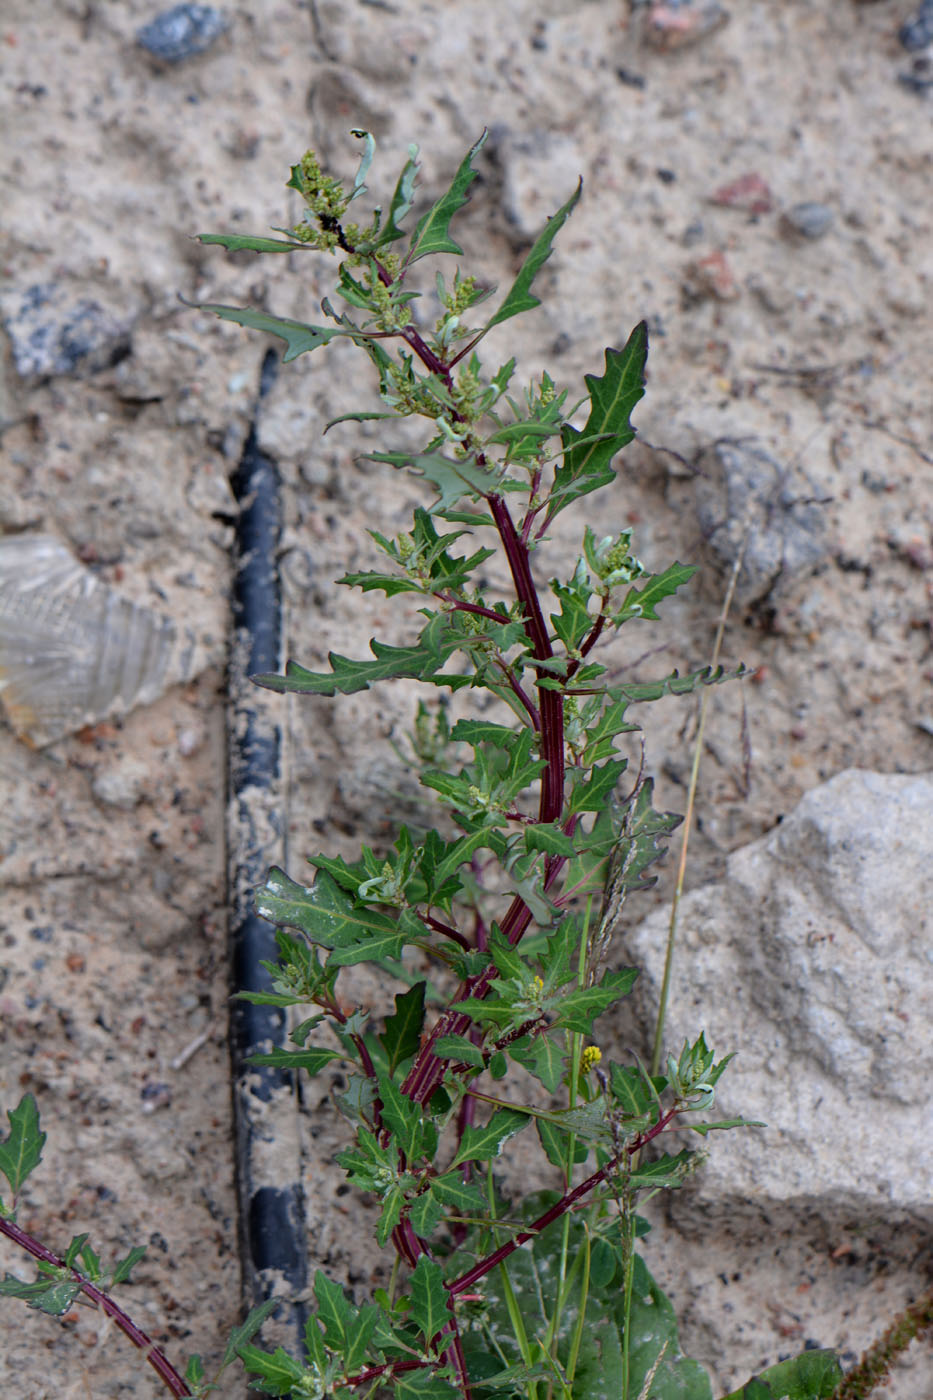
<point x="457" y="606"/>
<point x="567" y="1202"/>
<point x="156" y="1358"/>
<point x="448" y="932"/>
<point x="518" y="691"/>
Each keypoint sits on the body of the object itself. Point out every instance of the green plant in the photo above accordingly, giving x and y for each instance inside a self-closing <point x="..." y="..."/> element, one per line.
<point x="497" y="920"/>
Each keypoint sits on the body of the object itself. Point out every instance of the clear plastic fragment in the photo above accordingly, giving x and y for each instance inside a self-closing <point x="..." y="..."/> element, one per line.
<point x="73" y="651"/>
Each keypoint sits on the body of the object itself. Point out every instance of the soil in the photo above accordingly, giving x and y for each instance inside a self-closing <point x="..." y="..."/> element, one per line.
<point x="800" y="333"/>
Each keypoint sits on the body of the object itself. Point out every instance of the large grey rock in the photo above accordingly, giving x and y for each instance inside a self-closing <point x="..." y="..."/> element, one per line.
<point x="813" y="959"/>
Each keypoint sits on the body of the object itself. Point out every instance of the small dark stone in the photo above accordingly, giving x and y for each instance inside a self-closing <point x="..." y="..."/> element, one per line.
<point x="667" y="177"/>
<point x="920" y="79"/>
<point x="629" y="78"/>
<point x="42" y="935"/>
<point x="917" y="30"/>
<point x="182" y="32"/>
<point x="808" y="220"/>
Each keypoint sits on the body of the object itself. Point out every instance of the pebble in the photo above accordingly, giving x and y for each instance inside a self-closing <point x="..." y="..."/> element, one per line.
<point x="191" y="740"/>
<point x="123" y="787"/>
<point x="807" y="220"/>
<point x="711" y="276"/>
<point x="749" y="193"/>
<point x="52" y="331"/>
<point x="917" y="30"/>
<point x="749" y="503"/>
<point x="182" y="32"/>
<point x="677" y="24"/>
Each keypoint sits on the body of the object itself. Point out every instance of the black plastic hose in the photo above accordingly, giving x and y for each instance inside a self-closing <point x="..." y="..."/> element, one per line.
<point x="271" y="1207"/>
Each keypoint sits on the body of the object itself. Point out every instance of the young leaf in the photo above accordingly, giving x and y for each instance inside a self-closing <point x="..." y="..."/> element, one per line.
<point x="239" y="242"/>
<point x="542" y="1058"/>
<point x="519" y="297"/>
<point x="359" y="1335"/>
<point x="432" y="233"/>
<point x="21" y="1150"/>
<point x="429" y="1310"/>
<point x="479" y="1144"/>
<point x="452" y="479"/>
<point x="313" y="1059"/>
<point x="643" y="602"/>
<point x="346" y="677"/>
<point x="422" y="1385"/>
<point x="247" y="1329"/>
<point x="666" y="1171"/>
<point x="458" y="1195"/>
<point x="556" y="1144"/>
<point x="194" y="1371"/>
<point x="334" y="1311"/>
<point x="366" y="160"/>
<point x="705" y="1128"/>
<point x="586" y="464"/>
<point x="123" y="1267"/>
<point x="631" y="1091"/>
<point x="392" y="1205"/>
<point x="400" y="1116"/>
<point x="425" y="1213"/>
<point x="675" y="683"/>
<point x="327" y="916"/>
<point x="402" y="1035"/>
<point x="548" y="837"/>
<point x="279" y="1373"/>
<point x="463" y="1051"/>
<point x="593" y="794"/>
<point x="299" y="337"/>
<point x="49" y="1295"/>
<point x="578" y="1010"/>
<point x="79" y="1246"/>
<point x="402" y="200"/>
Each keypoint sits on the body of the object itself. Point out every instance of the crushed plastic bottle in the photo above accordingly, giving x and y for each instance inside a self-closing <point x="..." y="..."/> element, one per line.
<point x="73" y="651"/>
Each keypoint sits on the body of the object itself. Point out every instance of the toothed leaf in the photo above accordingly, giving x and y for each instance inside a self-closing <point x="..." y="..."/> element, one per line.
<point x="432" y="234"/>
<point x="520" y="297"/>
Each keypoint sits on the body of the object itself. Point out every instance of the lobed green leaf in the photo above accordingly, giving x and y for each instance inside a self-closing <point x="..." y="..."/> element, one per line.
<point x="480" y="1144"/>
<point x="588" y="453"/>
<point x="432" y="232"/>
<point x="520" y="297"/>
<point x="299" y="338"/>
<point x="247" y="242"/>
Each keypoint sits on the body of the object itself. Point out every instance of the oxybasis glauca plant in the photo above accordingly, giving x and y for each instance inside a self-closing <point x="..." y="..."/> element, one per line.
<point x="498" y="919"/>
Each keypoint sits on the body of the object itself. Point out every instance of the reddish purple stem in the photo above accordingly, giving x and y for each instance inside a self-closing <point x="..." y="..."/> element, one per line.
<point x="157" y="1360"/>
<point x="559" y="1208"/>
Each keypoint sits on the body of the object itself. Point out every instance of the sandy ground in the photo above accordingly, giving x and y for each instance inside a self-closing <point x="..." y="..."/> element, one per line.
<point x="814" y="350"/>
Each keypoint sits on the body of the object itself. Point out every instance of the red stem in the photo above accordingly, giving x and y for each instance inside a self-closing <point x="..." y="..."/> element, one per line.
<point x="157" y="1360"/>
<point x="448" y="932"/>
<point x="520" y="694"/>
<point x="457" y="606"/>
<point x="559" y="1208"/>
